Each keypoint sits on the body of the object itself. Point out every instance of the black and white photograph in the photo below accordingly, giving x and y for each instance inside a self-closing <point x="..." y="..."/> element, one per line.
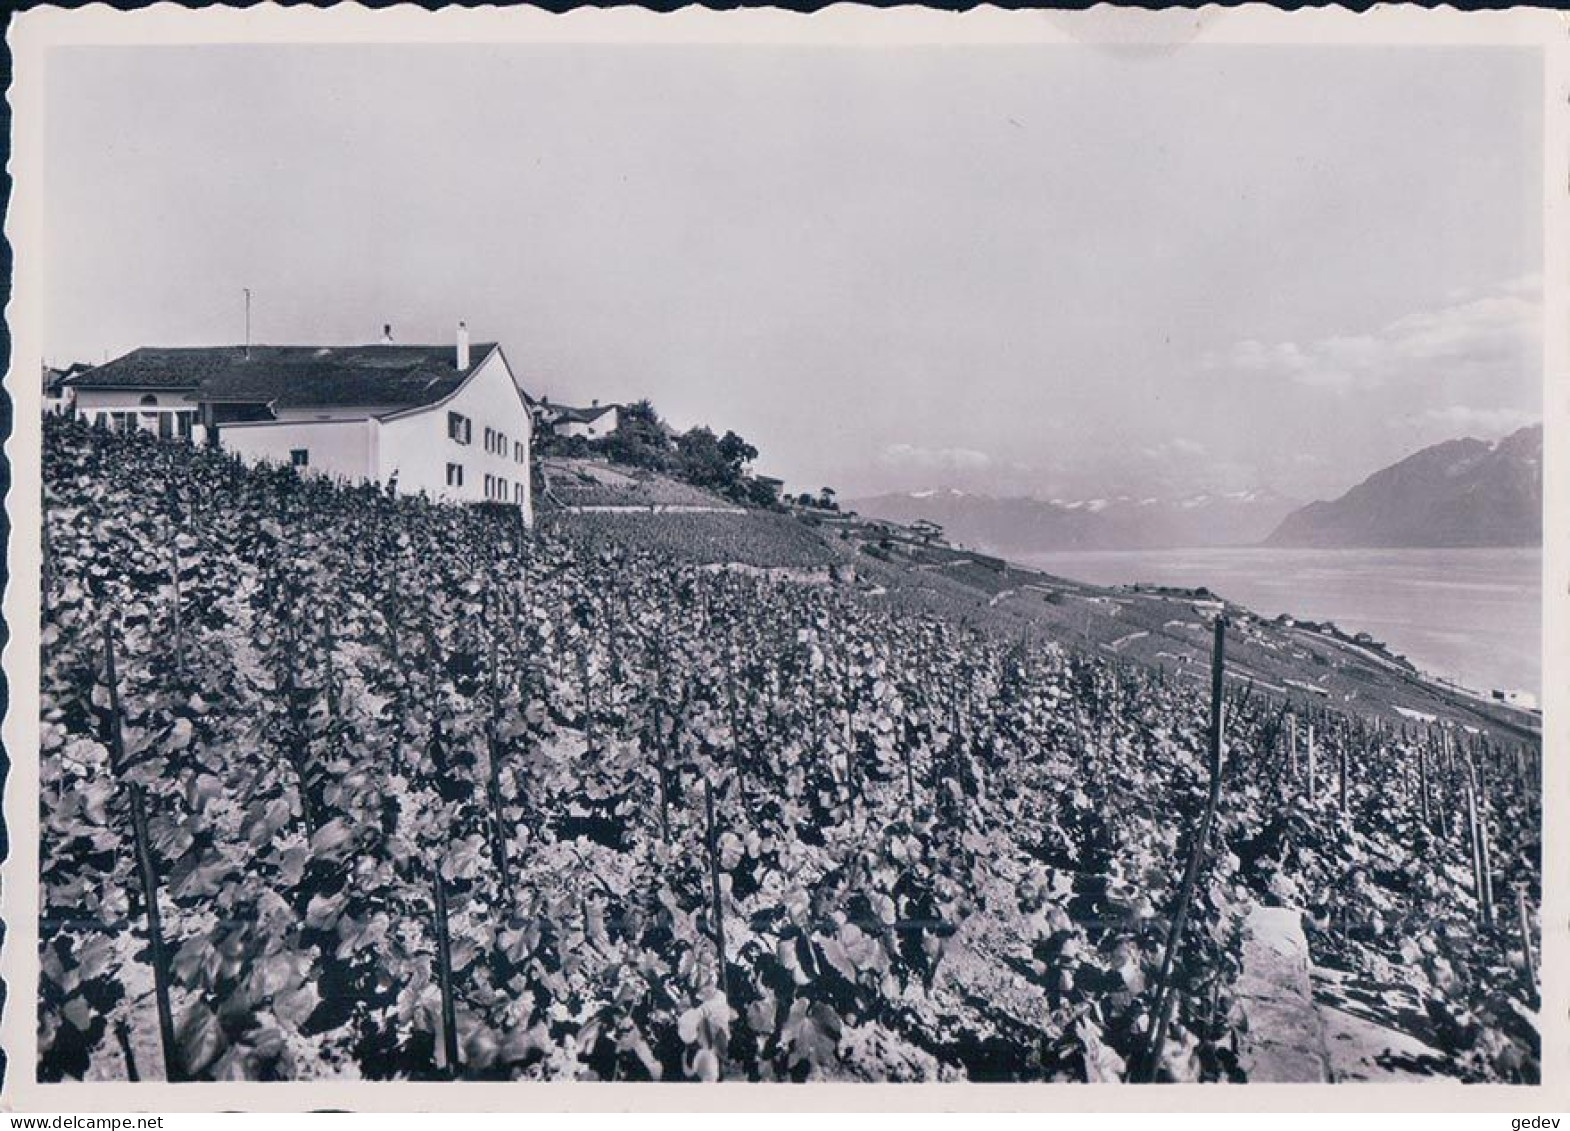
<point x="701" y="556"/>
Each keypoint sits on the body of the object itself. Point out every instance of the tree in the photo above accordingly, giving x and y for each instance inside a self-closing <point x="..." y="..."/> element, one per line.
<point x="762" y="493"/>
<point x="719" y="463"/>
<point x="826" y="499"/>
<point x="640" y="438"/>
<point x="737" y="452"/>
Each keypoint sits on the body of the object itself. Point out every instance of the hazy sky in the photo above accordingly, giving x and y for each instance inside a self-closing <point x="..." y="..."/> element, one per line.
<point x="1036" y="270"/>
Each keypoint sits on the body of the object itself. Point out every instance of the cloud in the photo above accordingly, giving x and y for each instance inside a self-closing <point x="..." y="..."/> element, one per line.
<point x="1461" y="418"/>
<point x="935" y="459"/>
<point x="1476" y="334"/>
<point x="1177" y="448"/>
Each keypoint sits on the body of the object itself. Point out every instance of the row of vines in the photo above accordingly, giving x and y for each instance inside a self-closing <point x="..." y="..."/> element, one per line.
<point x="338" y="784"/>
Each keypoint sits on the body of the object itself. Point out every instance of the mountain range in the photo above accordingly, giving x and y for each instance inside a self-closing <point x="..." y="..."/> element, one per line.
<point x="1027" y="526"/>
<point x="1464" y="492"/>
<point x="1459" y="493"/>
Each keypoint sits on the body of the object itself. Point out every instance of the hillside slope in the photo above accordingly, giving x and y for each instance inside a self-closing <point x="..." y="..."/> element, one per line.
<point x="423" y="795"/>
<point x="1458" y="493"/>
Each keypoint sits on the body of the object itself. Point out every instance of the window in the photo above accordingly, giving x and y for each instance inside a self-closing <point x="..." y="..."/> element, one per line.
<point x="501" y="489"/>
<point x="300" y="457"/>
<point x="459" y="428"/>
<point x="455" y="474"/>
<point x="517" y="451"/>
<point x="490" y="486"/>
<point x="490" y="439"/>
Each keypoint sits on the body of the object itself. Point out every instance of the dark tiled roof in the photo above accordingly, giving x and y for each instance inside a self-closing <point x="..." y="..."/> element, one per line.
<point x="392" y="376"/>
<point x="55" y="379"/>
<point x="567" y="415"/>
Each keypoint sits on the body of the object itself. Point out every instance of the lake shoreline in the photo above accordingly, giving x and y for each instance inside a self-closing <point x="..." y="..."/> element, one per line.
<point x="1468" y="618"/>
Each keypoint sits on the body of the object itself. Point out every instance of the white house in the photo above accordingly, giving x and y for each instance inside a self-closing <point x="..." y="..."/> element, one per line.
<point x="450" y="421"/>
<point x="593" y="423"/>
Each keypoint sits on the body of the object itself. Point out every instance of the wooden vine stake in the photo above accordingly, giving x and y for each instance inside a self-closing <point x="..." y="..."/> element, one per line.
<point x="176" y="626"/>
<point x="1479" y="876"/>
<point x="1313" y="782"/>
<point x="174" y="1063"/>
<point x="444" y="975"/>
<point x="718" y="906"/>
<point x="661" y="764"/>
<point x="1422" y="765"/>
<point x="722" y="976"/>
<point x="493" y="776"/>
<point x="1145" y="1068"/>
<point x="1484" y="855"/>
<point x="737" y="746"/>
<point x="1524" y="925"/>
<point x="1345" y="742"/>
<point x="46" y="579"/>
<point x="588" y="699"/>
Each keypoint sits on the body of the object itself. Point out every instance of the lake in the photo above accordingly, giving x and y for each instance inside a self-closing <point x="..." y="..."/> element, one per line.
<point x="1473" y="616"/>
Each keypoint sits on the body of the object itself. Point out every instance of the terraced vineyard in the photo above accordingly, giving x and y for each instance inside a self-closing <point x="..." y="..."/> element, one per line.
<point x="339" y="784"/>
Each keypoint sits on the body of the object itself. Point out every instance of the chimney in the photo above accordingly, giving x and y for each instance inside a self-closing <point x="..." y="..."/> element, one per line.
<point x="595" y="403"/>
<point x="463" y="346"/>
<point x="387" y="334"/>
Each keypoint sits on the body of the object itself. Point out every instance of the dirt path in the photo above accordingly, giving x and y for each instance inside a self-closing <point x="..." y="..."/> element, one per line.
<point x="1284" y="1042"/>
<point x="1309" y="1024"/>
<point x="1361" y="1046"/>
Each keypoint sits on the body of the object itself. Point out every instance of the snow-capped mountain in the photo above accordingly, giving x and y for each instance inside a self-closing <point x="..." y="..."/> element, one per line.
<point x="1119" y="522"/>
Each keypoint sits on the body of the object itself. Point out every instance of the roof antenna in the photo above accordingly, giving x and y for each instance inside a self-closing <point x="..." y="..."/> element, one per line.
<point x="247" y="291"/>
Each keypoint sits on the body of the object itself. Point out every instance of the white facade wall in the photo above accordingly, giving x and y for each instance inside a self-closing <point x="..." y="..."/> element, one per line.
<point x="416" y="447"/>
<point x="343" y="449"/>
<point x="118" y="400"/>
<point x="91" y="403"/>
<point x="599" y="429"/>
<point x="61" y="402"/>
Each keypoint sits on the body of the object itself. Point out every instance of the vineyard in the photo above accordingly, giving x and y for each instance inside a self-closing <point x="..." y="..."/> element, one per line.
<point x="337" y="784"/>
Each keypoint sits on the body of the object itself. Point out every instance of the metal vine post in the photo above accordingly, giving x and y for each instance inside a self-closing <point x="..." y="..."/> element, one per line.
<point x="1145" y="1067"/>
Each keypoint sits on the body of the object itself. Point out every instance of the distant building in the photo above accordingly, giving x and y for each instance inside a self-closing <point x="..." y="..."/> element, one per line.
<point x="59" y="395"/>
<point x="927" y="530"/>
<point x="775" y="486"/>
<point x="1524" y="699"/>
<point x="593" y="423"/>
<point x="450" y="421"/>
